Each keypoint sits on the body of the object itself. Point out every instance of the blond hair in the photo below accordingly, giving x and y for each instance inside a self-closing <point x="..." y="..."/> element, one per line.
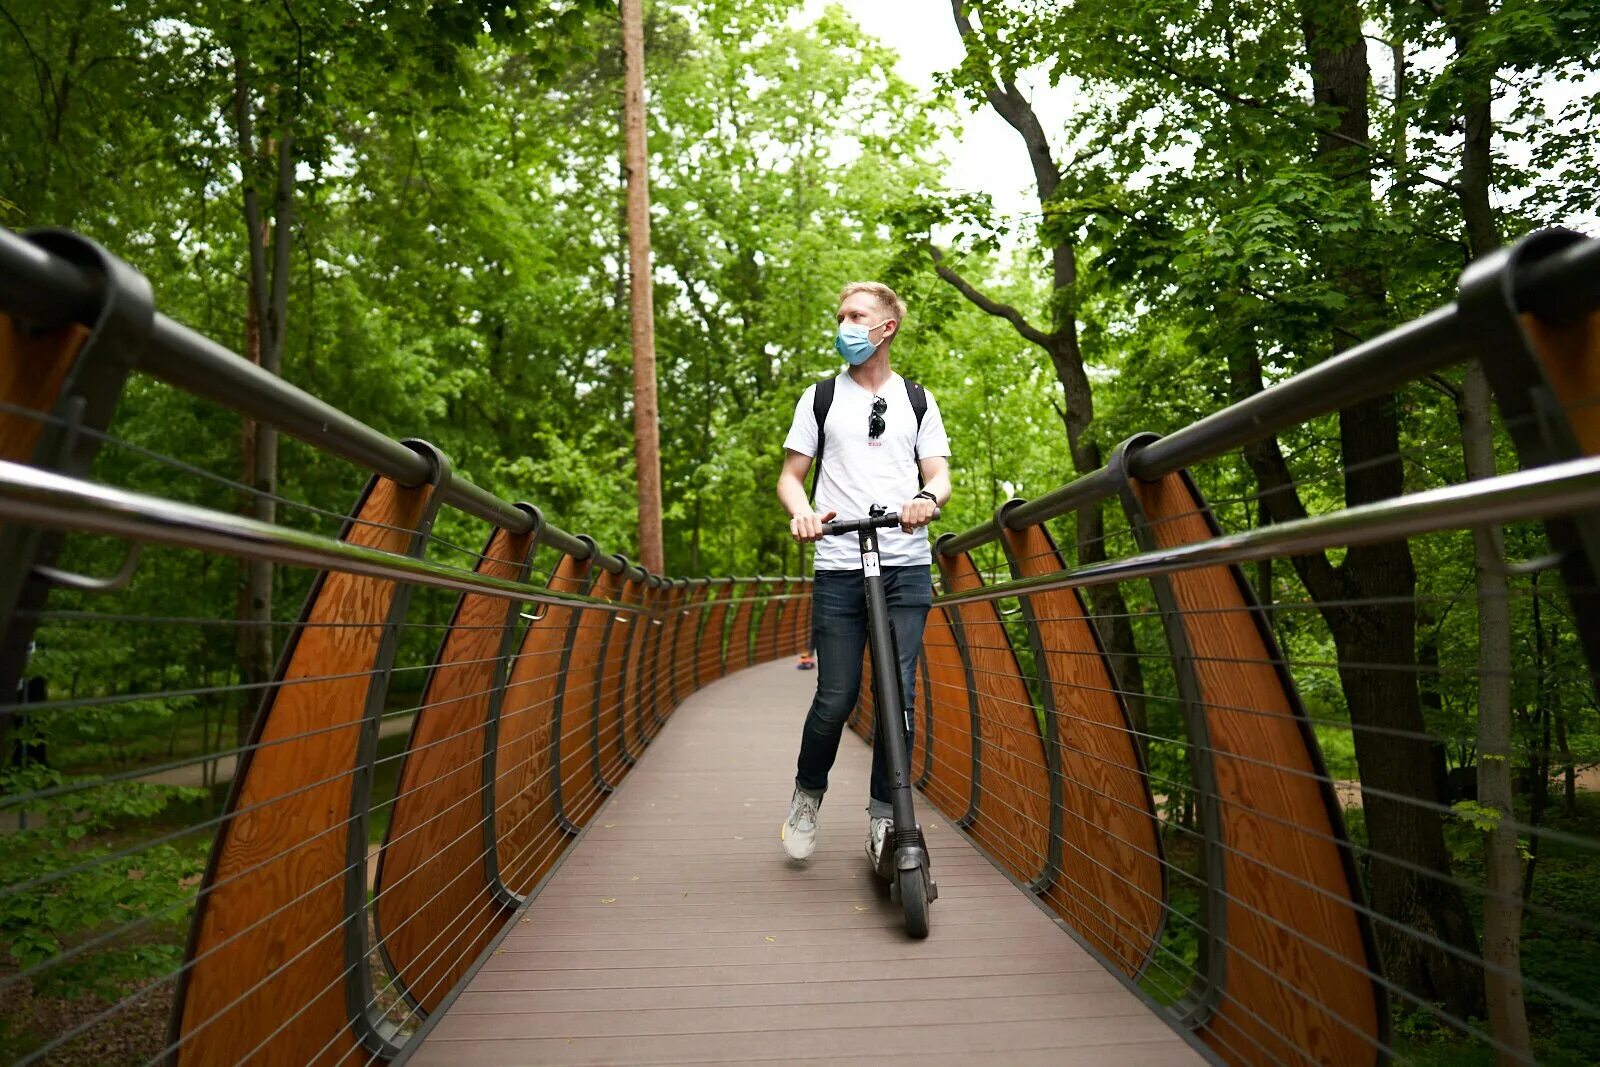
<point x="884" y="295"/>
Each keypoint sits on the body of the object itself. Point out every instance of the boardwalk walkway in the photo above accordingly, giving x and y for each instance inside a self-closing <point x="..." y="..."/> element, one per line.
<point x="677" y="932"/>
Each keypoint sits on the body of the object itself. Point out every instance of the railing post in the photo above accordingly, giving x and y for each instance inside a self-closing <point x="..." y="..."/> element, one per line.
<point x="1282" y="902"/>
<point x="1544" y="370"/>
<point x="1112" y="887"/>
<point x="278" y="951"/>
<point x="433" y="871"/>
<point x="1012" y="806"/>
<point x="70" y="374"/>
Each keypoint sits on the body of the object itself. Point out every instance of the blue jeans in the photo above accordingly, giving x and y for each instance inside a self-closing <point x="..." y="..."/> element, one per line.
<point x="839" y="634"/>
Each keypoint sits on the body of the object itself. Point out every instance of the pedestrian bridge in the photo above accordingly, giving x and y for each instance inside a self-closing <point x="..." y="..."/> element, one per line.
<point x="1148" y="849"/>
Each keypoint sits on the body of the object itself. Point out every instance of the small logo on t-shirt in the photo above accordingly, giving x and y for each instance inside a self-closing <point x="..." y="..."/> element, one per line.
<point x="874" y="444"/>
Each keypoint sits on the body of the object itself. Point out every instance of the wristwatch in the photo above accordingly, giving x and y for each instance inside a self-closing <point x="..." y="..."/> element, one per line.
<point x="927" y="495"/>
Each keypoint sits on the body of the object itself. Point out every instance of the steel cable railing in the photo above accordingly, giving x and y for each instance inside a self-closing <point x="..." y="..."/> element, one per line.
<point x="434" y="737"/>
<point x="1270" y="810"/>
<point x="1232" y="828"/>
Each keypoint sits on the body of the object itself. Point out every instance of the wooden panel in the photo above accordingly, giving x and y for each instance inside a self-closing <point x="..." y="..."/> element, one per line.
<point x="655" y="694"/>
<point x="1297" y="954"/>
<point x="679" y="621"/>
<point x="613" y="752"/>
<point x="528" y="834"/>
<point x="435" y="907"/>
<point x="949" y="785"/>
<point x="708" y="653"/>
<point x="802" y="622"/>
<point x="267" y="955"/>
<point x="682" y="623"/>
<point x="33" y="367"/>
<point x="1111" y="886"/>
<point x="1013" y="820"/>
<point x="577" y="790"/>
<point x="769" y="628"/>
<point x="634" y="683"/>
<point x="738" y="656"/>
<point x="652" y="695"/>
<point x="797" y="620"/>
<point x="1570" y="355"/>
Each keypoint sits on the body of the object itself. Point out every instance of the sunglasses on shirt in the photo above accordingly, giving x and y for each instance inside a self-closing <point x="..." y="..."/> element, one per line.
<point x="875" y="423"/>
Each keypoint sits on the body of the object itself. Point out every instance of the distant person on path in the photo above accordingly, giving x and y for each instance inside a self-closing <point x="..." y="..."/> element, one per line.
<point x="874" y="436"/>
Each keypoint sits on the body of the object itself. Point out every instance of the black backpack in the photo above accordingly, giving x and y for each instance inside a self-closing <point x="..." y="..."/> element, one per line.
<point x="822" y="400"/>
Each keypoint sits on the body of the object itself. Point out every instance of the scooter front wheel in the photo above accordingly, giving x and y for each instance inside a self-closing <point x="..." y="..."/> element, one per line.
<point x="913" y="887"/>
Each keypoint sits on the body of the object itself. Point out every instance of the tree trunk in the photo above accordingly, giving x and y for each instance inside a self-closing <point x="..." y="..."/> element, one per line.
<point x="1502" y="906"/>
<point x="1376" y="641"/>
<point x="646" y="428"/>
<point x="254" y="607"/>
<point x="267" y="298"/>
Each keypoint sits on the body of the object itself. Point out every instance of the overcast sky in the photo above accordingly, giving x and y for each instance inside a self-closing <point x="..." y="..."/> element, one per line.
<point x="985" y="154"/>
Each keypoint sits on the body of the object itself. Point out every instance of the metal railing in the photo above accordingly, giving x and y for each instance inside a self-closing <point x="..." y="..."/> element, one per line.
<point x="433" y="738"/>
<point x="1164" y="790"/>
<point x="1220" y="788"/>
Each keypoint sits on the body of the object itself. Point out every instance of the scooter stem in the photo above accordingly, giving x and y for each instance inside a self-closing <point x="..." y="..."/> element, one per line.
<point x="893" y="724"/>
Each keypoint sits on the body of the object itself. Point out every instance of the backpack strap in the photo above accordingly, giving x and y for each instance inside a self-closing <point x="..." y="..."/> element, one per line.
<point x="919" y="406"/>
<point x="919" y="403"/>
<point x="821" y="401"/>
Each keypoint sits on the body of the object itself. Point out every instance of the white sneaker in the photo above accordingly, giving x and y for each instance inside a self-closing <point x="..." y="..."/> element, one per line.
<point x="878" y="831"/>
<point x="799" y="833"/>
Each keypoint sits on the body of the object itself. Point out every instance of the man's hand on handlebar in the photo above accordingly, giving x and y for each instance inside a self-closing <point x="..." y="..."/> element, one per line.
<point x="918" y="511"/>
<point x="807" y="528"/>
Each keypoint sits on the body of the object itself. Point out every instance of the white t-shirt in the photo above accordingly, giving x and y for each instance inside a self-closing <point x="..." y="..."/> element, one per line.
<point x="858" y="472"/>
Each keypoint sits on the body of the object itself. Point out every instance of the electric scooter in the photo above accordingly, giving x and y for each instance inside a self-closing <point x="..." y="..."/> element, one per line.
<point x="905" y="865"/>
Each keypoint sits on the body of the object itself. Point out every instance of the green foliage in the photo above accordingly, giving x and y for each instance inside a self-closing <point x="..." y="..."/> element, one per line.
<point x="457" y="273"/>
<point x="73" y="883"/>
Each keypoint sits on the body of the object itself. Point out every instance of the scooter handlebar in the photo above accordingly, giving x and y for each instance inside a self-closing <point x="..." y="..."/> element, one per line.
<point x="875" y="522"/>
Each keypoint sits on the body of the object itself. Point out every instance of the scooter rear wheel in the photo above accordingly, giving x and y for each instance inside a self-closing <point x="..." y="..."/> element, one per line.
<point x="913" y="886"/>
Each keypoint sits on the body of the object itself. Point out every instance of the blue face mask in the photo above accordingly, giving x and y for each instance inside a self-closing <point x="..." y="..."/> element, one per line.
<point x="852" y="343"/>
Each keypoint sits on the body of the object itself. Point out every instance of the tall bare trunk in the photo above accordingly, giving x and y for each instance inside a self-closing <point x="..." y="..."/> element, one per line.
<point x="1427" y="929"/>
<point x="267" y="300"/>
<point x="1502" y="862"/>
<point x="646" y="420"/>
<point x="1502" y="906"/>
<point x="254" y="609"/>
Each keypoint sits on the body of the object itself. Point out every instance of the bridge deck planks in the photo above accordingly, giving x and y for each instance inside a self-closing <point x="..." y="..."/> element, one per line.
<point x="676" y="932"/>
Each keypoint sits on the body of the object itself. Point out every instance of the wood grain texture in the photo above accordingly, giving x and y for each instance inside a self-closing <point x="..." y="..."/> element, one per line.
<point x="738" y="654"/>
<point x="577" y="789"/>
<point x="685" y="634"/>
<point x="435" y="907"/>
<point x="798" y="623"/>
<point x="709" y="652"/>
<point x="33" y="368"/>
<point x="267" y="974"/>
<point x="1570" y="354"/>
<point x="1014" y="796"/>
<point x="661" y="699"/>
<point x="1111" y="887"/>
<point x="634" y="682"/>
<point x="769" y="626"/>
<point x="678" y="932"/>
<point x="528" y="835"/>
<point x="656" y="662"/>
<point x="1297" y="961"/>
<point x="608" y="744"/>
<point x="949" y="784"/>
